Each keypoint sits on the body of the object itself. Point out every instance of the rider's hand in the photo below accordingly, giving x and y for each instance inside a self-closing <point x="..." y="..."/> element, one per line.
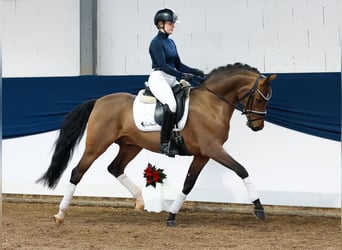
<point x="199" y="72"/>
<point x="187" y="77"/>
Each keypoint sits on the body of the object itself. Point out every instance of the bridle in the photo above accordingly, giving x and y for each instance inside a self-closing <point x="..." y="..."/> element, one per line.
<point x="248" y="109"/>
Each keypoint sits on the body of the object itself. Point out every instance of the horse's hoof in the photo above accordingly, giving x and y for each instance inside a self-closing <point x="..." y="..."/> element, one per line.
<point x="139" y="206"/>
<point x="260" y="214"/>
<point x="139" y="209"/>
<point x="171" y="223"/>
<point x="58" y="220"/>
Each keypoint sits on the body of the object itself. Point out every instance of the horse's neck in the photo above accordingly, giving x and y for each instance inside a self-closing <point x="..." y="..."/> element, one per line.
<point x="228" y="87"/>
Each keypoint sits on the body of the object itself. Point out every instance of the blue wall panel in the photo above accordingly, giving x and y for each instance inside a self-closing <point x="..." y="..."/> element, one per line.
<point x="307" y="102"/>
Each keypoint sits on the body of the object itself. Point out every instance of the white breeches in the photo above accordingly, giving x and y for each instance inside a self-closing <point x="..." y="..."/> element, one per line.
<point x="160" y="85"/>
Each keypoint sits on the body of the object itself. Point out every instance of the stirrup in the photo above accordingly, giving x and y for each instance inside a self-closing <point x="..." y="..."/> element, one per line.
<point x="165" y="149"/>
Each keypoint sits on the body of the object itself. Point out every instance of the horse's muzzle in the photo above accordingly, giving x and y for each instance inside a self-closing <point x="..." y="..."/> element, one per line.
<point x="254" y="128"/>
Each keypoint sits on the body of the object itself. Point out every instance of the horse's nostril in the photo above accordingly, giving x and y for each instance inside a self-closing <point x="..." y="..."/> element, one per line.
<point x="255" y="128"/>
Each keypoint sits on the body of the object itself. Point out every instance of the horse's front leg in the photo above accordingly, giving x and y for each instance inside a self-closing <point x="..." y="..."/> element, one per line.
<point x="220" y="155"/>
<point x="190" y="180"/>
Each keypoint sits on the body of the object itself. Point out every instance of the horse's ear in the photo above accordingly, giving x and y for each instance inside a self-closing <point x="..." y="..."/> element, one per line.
<point x="270" y="78"/>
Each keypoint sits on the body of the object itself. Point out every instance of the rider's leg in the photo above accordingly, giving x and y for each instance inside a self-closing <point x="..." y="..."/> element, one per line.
<point x="160" y="85"/>
<point x="166" y="129"/>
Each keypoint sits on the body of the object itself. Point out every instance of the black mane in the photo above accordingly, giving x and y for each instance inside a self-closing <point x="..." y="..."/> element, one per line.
<point x="234" y="67"/>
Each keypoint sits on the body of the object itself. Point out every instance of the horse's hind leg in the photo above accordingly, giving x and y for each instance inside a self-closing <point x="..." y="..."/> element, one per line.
<point x="89" y="156"/>
<point x="195" y="169"/>
<point x="117" y="167"/>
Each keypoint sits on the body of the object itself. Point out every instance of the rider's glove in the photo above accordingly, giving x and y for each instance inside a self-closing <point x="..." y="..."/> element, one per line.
<point x="187" y="77"/>
<point x="199" y="72"/>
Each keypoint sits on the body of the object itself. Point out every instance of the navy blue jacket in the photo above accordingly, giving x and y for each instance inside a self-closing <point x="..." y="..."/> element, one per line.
<point x="165" y="57"/>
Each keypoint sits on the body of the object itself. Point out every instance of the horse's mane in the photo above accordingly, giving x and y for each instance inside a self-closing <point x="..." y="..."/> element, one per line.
<point x="232" y="68"/>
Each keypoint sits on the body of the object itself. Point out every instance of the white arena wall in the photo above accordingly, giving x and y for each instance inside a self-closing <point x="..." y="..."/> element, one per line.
<point x="41" y="38"/>
<point x="274" y="36"/>
<point x="288" y="168"/>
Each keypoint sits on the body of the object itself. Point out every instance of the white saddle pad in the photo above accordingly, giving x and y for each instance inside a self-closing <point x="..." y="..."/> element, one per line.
<point x="143" y="114"/>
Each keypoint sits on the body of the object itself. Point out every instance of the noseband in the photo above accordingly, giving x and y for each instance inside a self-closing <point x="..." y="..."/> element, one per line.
<point x="250" y="94"/>
<point x="248" y="109"/>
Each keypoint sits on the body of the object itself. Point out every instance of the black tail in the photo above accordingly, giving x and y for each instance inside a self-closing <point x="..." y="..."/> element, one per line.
<point x="70" y="135"/>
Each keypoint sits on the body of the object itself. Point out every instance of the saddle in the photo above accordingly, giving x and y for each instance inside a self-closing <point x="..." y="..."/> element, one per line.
<point x="180" y="92"/>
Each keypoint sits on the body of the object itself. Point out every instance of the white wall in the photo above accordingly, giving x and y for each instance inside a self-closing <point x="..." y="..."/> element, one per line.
<point x="40" y="38"/>
<point x="274" y="36"/>
<point x="288" y="168"/>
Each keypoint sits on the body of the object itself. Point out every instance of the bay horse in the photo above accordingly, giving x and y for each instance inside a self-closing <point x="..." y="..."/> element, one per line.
<point x="109" y="119"/>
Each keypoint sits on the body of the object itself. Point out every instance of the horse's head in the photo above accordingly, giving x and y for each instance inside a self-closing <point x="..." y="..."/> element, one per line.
<point x="254" y="99"/>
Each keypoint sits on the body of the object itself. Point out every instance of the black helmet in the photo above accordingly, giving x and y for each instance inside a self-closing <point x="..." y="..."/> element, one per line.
<point x="165" y="15"/>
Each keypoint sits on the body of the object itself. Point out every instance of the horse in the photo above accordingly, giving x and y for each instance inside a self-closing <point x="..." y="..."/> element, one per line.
<point x="109" y="119"/>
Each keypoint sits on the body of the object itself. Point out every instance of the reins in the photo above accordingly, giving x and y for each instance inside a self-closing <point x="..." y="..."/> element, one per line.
<point x="250" y="95"/>
<point x="219" y="96"/>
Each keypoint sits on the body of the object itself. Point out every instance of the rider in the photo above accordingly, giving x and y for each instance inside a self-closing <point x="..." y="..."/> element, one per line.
<point x="166" y="69"/>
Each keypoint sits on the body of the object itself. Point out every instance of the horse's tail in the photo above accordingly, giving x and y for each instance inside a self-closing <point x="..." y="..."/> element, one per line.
<point x="70" y="135"/>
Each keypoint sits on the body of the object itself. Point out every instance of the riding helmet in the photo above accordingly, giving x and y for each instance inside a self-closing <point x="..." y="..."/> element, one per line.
<point x="165" y="15"/>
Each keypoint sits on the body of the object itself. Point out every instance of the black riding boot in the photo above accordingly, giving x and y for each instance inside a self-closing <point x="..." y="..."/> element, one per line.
<point x="165" y="133"/>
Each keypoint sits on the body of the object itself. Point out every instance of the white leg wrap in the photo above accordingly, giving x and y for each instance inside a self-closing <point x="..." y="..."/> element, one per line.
<point x="252" y="193"/>
<point x="132" y="188"/>
<point x="70" y="190"/>
<point x="177" y="204"/>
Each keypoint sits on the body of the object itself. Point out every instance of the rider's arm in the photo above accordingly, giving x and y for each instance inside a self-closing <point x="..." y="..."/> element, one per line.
<point x="158" y="54"/>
